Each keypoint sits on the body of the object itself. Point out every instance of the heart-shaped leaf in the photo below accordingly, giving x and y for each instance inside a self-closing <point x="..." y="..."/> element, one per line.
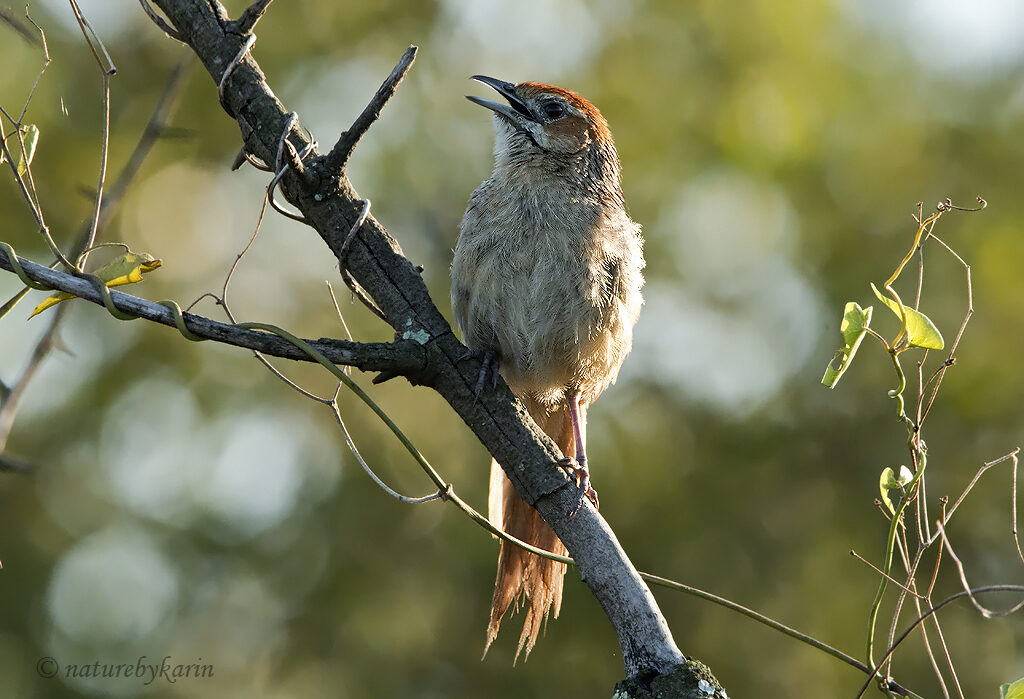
<point x="921" y="331"/>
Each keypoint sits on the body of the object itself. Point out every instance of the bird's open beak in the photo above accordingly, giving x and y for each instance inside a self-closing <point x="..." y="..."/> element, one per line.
<point x="516" y="110"/>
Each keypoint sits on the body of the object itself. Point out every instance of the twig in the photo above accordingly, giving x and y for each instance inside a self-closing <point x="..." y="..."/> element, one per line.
<point x="337" y="308"/>
<point x="946" y="655"/>
<point x="104" y="151"/>
<point x="223" y="300"/>
<point x="29" y="192"/>
<point x="90" y="36"/>
<point x="341" y="317"/>
<point x="39" y="76"/>
<point x="985" y="611"/>
<point x="342" y="151"/>
<point x="250" y="16"/>
<point x="768" y="621"/>
<point x="878" y="570"/>
<point x="921" y="511"/>
<point x="930" y="612"/>
<point x="948" y="205"/>
<point x="947" y="516"/>
<point x="37" y="212"/>
<point x="366" y="467"/>
<point x="931" y="653"/>
<point x="941" y="372"/>
<point x="1013" y="505"/>
<point x="901" y="546"/>
<point x="161" y="22"/>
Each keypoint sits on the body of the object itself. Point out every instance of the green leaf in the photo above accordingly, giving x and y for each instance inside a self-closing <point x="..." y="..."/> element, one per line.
<point x="125" y="269"/>
<point x="31" y="138"/>
<point x="853" y="328"/>
<point x="921" y="330"/>
<point x="1013" y="691"/>
<point x="888" y="481"/>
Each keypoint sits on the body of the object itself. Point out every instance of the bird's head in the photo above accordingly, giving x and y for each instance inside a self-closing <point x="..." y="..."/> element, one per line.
<point x="548" y="118"/>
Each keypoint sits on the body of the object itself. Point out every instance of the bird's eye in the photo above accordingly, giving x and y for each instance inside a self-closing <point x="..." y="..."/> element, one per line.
<point x="553" y="110"/>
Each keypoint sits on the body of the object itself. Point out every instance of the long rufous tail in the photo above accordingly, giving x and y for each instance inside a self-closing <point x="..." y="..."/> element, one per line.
<point x="519" y="571"/>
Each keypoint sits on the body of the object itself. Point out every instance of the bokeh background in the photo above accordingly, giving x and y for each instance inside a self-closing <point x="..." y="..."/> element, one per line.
<point x="185" y="503"/>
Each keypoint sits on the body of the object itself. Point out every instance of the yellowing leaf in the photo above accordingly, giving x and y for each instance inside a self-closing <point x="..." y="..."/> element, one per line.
<point x="921" y="331"/>
<point x="125" y="269"/>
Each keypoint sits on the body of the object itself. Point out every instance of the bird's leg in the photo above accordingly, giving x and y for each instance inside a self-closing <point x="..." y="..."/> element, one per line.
<point x="577" y="467"/>
<point x="489" y="367"/>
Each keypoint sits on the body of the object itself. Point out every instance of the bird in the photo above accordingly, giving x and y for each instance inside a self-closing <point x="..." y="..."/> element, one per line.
<point x="546" y="280"/>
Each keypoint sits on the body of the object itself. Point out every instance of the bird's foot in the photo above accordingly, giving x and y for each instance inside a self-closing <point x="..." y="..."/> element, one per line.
<point x="580" y="475"/>
<point x="489" y="367"/>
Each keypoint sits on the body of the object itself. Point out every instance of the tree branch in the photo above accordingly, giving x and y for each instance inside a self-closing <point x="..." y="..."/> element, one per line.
<point x="330" y="205"/>
<point x="405" y="357"/>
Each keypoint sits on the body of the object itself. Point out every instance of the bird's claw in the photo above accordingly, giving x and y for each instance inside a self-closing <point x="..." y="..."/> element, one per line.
<point x="488" y="367"/>
<point x="580" y="475"/>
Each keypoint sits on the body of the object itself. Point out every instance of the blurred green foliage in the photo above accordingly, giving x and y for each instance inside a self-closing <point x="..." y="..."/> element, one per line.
<point x="187" y="504"/>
